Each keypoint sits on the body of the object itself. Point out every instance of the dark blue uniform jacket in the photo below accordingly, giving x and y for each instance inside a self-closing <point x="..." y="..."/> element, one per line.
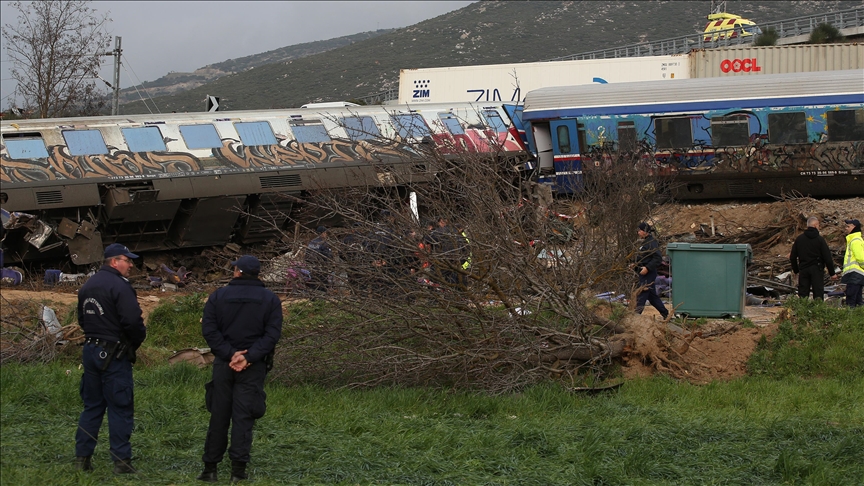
<point x="108" y="309"/>
<point x="242" y="315"/>
<point x="649" y="254"/>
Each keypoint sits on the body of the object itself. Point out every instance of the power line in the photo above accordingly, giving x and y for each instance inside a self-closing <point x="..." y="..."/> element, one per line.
<point x="144" y="88"/>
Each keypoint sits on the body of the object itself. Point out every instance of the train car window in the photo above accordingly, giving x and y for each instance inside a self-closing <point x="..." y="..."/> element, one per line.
<point x="200" y="136"/>
<point x="147" y="139"/>
<point x="452" y="123"/>
<point x="494" y="120"/>
<point x="255" y="133"/>
<point x="309" y="131"/>
<point x="580" y="133"/>
<point x="25" y="146"/>
<point x="410" y="126"/>
<point x="845" y="125"/>
<point x="673" y="133"/>
<point x="627" y="136"/>
<point x="85" y="142"/>
<point x="563" y="139"/>
<point x="787" y="127"/>
<point x="361" y="128"/>
<point x="730" y="130"/>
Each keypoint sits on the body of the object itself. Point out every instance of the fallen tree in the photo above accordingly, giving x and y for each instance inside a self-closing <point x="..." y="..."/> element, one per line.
<point x="490" y="284"/>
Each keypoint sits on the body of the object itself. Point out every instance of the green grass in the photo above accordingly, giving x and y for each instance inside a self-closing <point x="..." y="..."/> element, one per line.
<point x="751" y="431"/>
<point x="798" y="419"/>
<point x="817" y="341"/>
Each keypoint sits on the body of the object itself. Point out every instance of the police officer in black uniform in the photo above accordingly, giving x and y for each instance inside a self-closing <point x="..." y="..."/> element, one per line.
<point x="648" y="258"/>
<point x="109" y="315"/>
<point x="242" y="323"/>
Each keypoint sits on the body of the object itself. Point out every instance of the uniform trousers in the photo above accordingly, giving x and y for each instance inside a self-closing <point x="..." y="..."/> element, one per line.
<point x="811" y="277"/>
<point x="853" y="295"/>
<point x="236" y="399"/>
<point x="650" y="295"/>
<point x="111" y="389"/>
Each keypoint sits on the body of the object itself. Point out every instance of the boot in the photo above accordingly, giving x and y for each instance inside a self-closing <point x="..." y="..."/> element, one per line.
<point x="83" y="464"/>
<point x="124" y="466"/>
<point x="238" y="471"/>
<point x="209" y="474"/>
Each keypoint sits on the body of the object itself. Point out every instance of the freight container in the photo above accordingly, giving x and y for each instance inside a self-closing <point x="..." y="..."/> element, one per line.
<point x="749" y="60"/>
<point x="510" y="82"/>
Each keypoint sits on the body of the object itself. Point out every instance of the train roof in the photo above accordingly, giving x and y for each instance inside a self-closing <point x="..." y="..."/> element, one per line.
<point x="240" y="115"/>
<point x="681" y="95"/>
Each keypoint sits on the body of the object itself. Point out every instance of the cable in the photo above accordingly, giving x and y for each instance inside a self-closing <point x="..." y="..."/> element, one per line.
<point x="126" y="63"/>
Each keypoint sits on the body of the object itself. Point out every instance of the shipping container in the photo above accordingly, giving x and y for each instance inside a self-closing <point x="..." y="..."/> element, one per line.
<point x="750" y="60"/>
<point x="510" y="82"/>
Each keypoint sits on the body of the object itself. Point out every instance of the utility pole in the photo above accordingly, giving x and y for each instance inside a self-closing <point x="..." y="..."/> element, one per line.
<point x="115" y="105"/>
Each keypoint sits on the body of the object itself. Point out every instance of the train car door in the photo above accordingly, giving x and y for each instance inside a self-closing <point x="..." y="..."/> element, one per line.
<point x="566" y="158"/>
<point x="543" y="152"/>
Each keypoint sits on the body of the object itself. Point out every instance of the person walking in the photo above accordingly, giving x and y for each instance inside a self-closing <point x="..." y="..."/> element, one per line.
<point x="853" y="263"/>
<point x="809" y="256"/>
<point x="109" y="315"/>
<point x="242" y="323"/>
<point x="648" y="258"/>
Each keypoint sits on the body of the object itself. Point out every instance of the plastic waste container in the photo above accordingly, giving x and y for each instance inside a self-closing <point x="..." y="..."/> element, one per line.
<point x="709" y="280"/>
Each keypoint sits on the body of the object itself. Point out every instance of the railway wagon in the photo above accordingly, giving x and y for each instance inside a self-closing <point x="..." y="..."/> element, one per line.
<point x="165" y="181"/>
<point x="713" y="138"/>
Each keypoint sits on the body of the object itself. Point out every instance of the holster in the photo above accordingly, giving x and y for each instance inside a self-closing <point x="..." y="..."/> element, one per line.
<point x="268" y="360"/>
<point x="110" y="354"/>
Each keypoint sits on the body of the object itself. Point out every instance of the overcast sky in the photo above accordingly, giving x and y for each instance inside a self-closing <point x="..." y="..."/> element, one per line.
<point x="160" y="37"/>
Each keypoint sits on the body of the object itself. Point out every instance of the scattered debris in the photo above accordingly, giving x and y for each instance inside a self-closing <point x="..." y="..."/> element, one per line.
<point x="200" y="357"/>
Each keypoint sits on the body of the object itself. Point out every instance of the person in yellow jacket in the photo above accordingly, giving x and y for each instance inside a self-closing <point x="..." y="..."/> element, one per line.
<point x="853" y="263"/>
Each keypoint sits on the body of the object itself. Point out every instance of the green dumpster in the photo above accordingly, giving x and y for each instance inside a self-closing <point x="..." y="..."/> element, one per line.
<point x="708" y="280"/>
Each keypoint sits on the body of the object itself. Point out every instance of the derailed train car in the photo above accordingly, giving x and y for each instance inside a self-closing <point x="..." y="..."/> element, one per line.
<point x="711" y="138"/>
<point x="156" y="182"/>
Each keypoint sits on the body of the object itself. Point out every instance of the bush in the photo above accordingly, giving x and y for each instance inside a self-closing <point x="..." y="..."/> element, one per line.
<point x="825" y="34"/>
<point x="768" y="37"/>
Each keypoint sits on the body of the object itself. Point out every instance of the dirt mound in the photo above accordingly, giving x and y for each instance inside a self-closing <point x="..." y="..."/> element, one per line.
<point x="715" y="350"/>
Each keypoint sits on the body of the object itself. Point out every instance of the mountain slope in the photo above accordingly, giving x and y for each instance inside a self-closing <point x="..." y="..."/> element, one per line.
<point x="486" y="32"/>
<point x="176" y="82"/>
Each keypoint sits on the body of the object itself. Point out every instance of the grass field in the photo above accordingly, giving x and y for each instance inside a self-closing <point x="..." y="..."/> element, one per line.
<point x="771" y="428"/>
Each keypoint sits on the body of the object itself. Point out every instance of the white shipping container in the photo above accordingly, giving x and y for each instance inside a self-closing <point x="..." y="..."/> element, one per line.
<point x="751" y="60"/>
<point x="510" y="82"/>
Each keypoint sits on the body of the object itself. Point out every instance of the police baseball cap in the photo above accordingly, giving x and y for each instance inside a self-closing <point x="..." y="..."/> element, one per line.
<point x="116" y="249"/>
<point x="853" y="222"/>
<point x="248" y="264"/>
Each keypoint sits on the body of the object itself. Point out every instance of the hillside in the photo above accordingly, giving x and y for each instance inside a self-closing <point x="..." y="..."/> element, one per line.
<point x="175" y="82"/>
<point x="486" y="32"/>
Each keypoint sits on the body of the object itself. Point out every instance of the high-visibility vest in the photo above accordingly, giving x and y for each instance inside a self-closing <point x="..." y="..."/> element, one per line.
<point x="853" y="262"/>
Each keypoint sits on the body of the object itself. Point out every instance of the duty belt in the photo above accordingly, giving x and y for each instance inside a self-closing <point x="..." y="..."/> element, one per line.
<point x="104" y="343"/>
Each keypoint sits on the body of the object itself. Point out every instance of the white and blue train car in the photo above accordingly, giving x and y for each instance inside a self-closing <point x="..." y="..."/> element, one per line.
<point x="732" y="137"/>
<point x="182" y="180"/>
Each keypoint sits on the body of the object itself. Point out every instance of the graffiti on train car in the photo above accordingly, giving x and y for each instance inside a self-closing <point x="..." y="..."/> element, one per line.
<point x="122" y="164"/>
<point x="812" y="153"/>
<point x="234" y="154"/>
<point x="59" y="165"/>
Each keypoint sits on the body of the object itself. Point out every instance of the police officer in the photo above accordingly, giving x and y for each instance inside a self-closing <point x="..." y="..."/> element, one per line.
<point x="242" y="323"/>
<point x="109" y="315"/>
<point x="648" y="258"/>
